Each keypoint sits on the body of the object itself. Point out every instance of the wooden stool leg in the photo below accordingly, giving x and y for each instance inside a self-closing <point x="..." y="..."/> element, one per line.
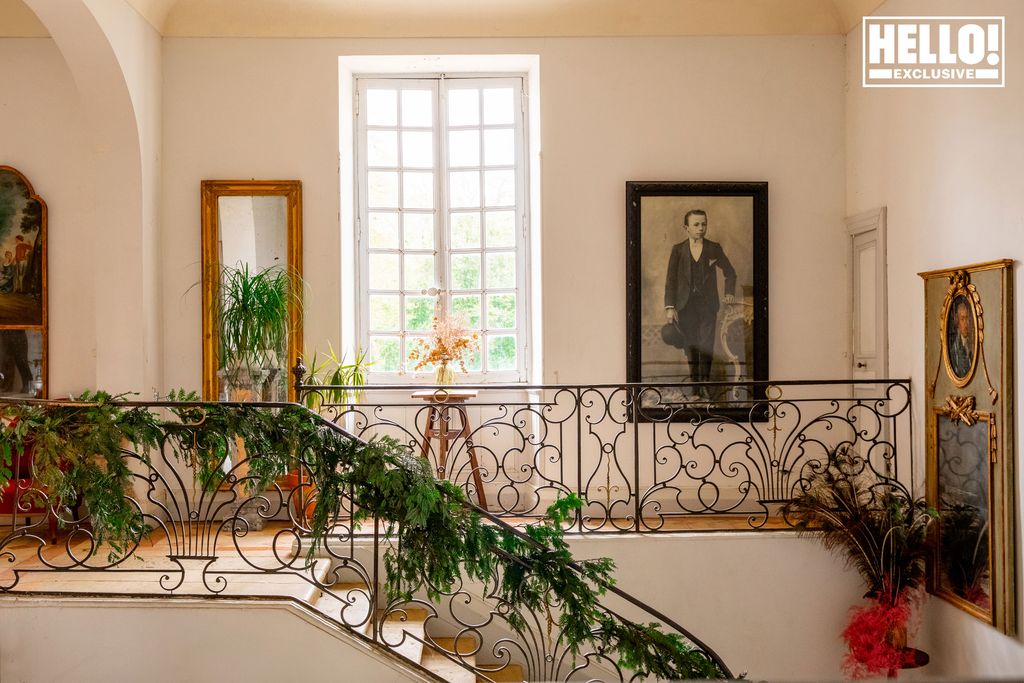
<point x="428" y="431"/>
<point x="466" y="432"/>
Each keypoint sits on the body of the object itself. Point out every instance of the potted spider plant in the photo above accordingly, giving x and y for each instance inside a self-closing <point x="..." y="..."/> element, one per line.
<point x="333" y="376"/>
<point x="882" y="530"/>
<point x="253" y="328"/>
<point x="336" y="375"/>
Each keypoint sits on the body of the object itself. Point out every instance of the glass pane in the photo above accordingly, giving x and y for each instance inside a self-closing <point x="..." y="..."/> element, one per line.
<point x="418" y="190"/>
<point x="498" y="106"/>
<point x="419" y="272"/>
<point x="467" y="310"/>
<point x="383" y="231"/>
<point x="500" y="147"/>
<point x="501" y="311"/>
<point x="465" y="271"/>
<point x="417" y="149"/>
<point x="501" y="352"/>
<point x="419" y="230"/>
<point x="421" y="344"/>
<point x="419" y="312"/>
<point x="417" y="108"/>
<point x="501" y="270"/>
<point x="382" y="189"/>
<point x="465" y="230"/>
<point x="501" y="228"/>
<point x="383" y="312"/>
<point x="383" y="271"/>
<point x="465" y="188"/>
<point x="464" y="148"/>
<point x="500" y="188"/>
<point x="473" y="362"/>
<point x="382" y="148"/>
<point x="382" y="107"/>
<point x="463" y="107"/>
<point x="384" y="352"/>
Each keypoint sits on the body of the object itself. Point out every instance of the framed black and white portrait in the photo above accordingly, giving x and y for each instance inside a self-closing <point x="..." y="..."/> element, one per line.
<point x="696" y="293"/>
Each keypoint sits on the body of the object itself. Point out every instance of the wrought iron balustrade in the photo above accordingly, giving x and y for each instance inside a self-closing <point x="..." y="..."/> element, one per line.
<point x="640" y="455"/>
<point x="204" y="541"/>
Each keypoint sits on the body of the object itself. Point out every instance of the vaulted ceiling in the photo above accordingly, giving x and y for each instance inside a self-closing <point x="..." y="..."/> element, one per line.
<point x="479" y="18"/>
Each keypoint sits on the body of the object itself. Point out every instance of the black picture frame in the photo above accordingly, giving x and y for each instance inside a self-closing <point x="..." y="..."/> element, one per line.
<point x="737" y="222"/>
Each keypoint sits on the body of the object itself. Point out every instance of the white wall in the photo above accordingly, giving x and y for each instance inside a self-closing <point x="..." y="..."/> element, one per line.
<point x="612" y="110"/>
<point x="771" y="604"/>
<point x="179" y="641"/>
<point x="43" y="137"/>
<point x="139" y="52"/>
<point x="89" y="138"/>
<point x="947" y="164"/>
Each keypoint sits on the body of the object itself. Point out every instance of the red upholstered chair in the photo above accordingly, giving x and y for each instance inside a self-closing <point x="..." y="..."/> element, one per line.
<point x="16" y="499"/>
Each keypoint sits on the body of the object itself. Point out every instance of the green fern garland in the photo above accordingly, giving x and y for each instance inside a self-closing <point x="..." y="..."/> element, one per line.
<point x="78" y="453"/>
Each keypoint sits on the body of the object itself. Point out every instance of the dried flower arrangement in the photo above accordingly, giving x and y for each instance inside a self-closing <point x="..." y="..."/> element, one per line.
<point x="449" y="342"/>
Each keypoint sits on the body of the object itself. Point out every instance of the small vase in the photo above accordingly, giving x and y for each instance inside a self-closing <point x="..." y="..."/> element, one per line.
<point x="444" y="374"/>
<point x="897" y="636"/>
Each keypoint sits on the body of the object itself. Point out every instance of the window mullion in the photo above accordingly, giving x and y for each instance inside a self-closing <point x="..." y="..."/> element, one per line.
<point x="523" y="333"/>
<point x="403" y="340"/>
<point x="441" y="241"/>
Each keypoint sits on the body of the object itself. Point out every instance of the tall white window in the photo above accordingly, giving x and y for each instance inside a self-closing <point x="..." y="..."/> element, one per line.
<point x="442" y="220"/>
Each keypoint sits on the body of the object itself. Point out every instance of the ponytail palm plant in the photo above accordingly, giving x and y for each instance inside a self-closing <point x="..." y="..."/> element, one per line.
<point x="253" y="321"/>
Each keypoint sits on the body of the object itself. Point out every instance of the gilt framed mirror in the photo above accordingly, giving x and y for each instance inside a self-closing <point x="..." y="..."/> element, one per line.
<point x="970" y="421"/>
<point x="252" y="288"/>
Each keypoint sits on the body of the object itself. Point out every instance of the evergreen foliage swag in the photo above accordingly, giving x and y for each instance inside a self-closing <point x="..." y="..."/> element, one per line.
<point x="77" y="455"/>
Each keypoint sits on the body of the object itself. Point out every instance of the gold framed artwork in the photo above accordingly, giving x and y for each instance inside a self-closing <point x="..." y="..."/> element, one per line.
<point x="969" y="342"/>
<point x="24" y="365"/>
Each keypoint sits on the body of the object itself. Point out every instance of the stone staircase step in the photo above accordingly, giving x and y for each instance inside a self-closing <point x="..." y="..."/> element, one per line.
<point x="513" y="673"/>
<point x="403" y="633"/>
<point x="446" y="668"/>
<point x="348" y="603"/>
<point x="466" y="645"/>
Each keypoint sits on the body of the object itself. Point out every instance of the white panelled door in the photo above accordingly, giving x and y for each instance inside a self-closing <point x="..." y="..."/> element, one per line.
<point x="869" y="338"/>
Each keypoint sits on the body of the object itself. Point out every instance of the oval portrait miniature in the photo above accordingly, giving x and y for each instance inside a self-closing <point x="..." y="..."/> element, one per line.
<point x="960" y="333"/>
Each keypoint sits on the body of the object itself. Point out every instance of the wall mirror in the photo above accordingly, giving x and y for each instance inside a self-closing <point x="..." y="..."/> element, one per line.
<point x="252" y="288"/>
<point x="962" y="572"/>
<point x="970" y="421"/>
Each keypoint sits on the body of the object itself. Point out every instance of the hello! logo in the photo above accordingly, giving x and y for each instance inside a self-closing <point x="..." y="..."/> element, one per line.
<point x="934" y="52"/>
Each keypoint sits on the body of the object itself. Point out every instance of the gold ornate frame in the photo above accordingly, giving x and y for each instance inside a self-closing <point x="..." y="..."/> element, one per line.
<point x="961" y="287"/>
<point x="211" y="191"/>
<point x="44" y="326"/>
<point x="981" y="396"/>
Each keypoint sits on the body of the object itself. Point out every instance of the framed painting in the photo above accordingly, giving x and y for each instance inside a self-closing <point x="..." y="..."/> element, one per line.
<point x="970" y="458"/>
<point x="23" y="323"/>
<point x="696" y="296"/>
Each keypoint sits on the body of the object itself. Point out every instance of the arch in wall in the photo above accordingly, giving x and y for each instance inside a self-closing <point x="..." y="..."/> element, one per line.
<point x="100" y="44"/>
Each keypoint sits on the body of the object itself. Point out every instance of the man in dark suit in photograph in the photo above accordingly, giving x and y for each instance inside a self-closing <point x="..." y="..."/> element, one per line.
<point x="691" y="295"/>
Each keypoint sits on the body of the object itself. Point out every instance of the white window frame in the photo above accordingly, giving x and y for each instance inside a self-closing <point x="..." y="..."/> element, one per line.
<point x="526" y="300"/>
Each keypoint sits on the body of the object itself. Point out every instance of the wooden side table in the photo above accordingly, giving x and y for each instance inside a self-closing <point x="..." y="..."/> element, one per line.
<point x="445" y="406"/>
